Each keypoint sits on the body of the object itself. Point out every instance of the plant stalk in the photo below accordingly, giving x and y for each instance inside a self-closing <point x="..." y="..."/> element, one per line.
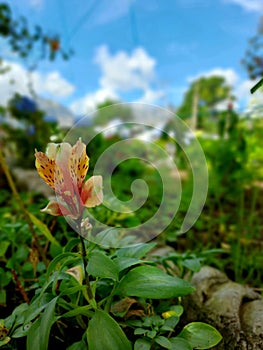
<point x="85" y="262"/>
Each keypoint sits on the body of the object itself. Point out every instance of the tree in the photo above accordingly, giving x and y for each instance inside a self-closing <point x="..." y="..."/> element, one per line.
<point x="202" y="97"/>
<point x="28" y="129"/>
<point x="23" y="40"/>
<point x="253" y="60"/>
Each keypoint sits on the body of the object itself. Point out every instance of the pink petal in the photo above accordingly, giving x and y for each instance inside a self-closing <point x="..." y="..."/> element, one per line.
<point x="62" y="155"/>
<point x="92" y="194"/>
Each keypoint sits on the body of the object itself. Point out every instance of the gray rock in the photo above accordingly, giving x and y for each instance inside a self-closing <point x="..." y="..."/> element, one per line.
<point x="236" y="311"/>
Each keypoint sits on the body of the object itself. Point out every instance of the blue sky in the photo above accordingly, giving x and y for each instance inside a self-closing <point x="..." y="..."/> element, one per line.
<point x="134" y="50"/>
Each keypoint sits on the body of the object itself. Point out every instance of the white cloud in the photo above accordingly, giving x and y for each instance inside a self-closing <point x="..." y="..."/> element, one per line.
<point x="229" y="74"/>
<point x="53" y="83"/>
<point x="249" y="5"/>
<point x="124" y="72"/>
<point x="17" y="79"/>
<point x="121" y="72"/>
<point x="88" y="103"/>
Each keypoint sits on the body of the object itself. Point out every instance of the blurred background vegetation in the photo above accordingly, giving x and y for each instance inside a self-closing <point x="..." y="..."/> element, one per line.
<point x="231" y="223"/>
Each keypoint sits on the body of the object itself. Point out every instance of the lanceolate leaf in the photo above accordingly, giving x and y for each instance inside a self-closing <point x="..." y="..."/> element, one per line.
<point x="104" y="333"/>
<point x="151" y="282"/>
<point x="38" y="335"/>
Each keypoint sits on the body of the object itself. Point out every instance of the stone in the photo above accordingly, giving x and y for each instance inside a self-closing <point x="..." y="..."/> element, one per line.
<point x="236" y="311"/>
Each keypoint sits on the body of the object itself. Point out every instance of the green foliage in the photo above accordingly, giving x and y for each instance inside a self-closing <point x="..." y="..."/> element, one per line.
<point x="151" y="282"/>
<point x="253" y="60"/>
<point x="152" y="330"/>
<point x="23" y="40"/>
<point x="59" y="300"/>
<point x="113" y="336"/>
<point x="136" y="295"/>
<point x="200" y="335"/>
<point x="209" y="91"/>
<point x="30" y="131"/>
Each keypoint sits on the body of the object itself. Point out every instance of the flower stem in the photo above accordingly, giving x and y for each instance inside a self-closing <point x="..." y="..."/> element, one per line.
<point x="85" y="264"/>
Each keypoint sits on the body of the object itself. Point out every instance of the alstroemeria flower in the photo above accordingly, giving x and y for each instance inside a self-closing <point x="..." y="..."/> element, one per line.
<point x="64" y="169"/>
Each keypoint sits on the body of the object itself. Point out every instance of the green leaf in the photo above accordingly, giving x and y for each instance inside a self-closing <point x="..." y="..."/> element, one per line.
<point x="100" y="265"/>
<point x="151" y="334"/>
<point x="163" y="341"/>
<point x="151" y="282"/>
<point x="123" y="262"/>
<point x="257" y="86"/>
<point x="5" y="341"/>
<point x="178" y="310"/>
<point x="58" y="261"/>
<point x="19" y="313"/>
<point x="105" y="333"/>
<point x="201" y="335"/>
<point x="71" y="244"/>
<point x="170" y="324"/>
<point x="180" y="344"/>
<point x="80" y="345"/>
<point x="3" y="247"/>
<point x="137" y="251"/>
<point x="38" y="335"/>
<point x="43" y="229"/>
<point x="22" y="330"/>
<point x="139" y="331"/>
<point x="37" y="306"/>
<point x="81" y="310"/>
<point x="5" y="277"/>
<point x="142" y="344"/>
<point x="192" y="264"/>
<point x="175" y="312"/>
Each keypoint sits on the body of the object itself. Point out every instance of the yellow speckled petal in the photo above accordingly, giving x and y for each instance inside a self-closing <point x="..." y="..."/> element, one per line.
<point x="45" y="168"/>
<point x="78" y="163"/>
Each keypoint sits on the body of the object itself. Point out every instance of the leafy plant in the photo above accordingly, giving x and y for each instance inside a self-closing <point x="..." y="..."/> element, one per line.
<point x="89" y="286"/>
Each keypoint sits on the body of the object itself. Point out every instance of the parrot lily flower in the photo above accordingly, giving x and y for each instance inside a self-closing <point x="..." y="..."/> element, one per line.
<point x="64" y="168"/>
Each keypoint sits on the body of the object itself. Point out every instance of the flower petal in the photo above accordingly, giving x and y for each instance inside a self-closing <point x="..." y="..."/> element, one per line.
<point x="53" y="208"/>
<point x="56" y="209"/>
<point x="51" y="150"/>
<point x="46" y="168"/>
<point x="62" y="153"/>
<point x="54" y="148"/>
<point x="92" y="194"/>
<point x="76" y="272"/>
<point x="78" y="163"/>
